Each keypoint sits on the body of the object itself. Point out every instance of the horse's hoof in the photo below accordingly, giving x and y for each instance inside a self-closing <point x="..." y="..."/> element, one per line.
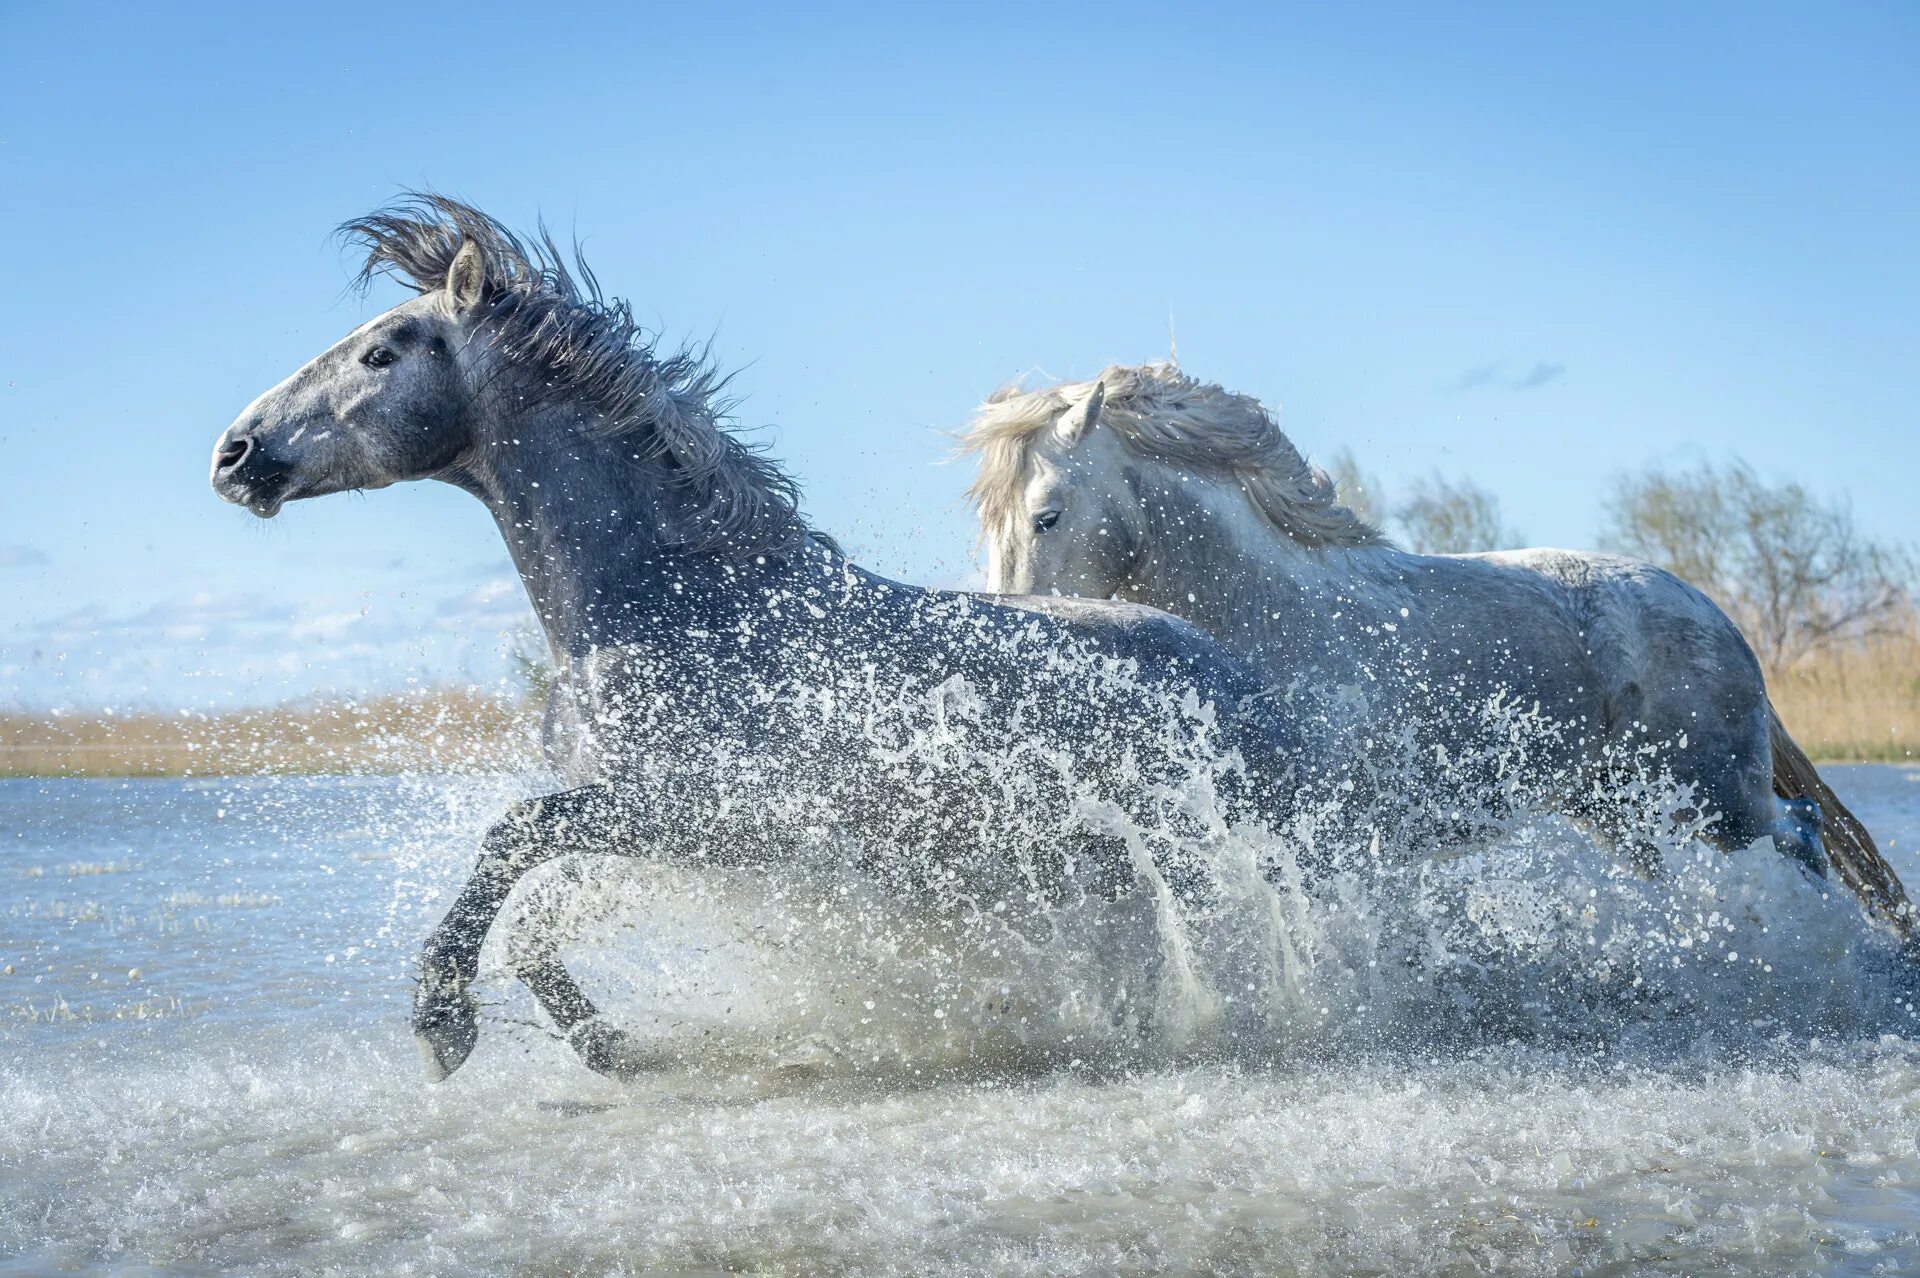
<point x="445" y="1027"/>
<point x="606" y="1050"/>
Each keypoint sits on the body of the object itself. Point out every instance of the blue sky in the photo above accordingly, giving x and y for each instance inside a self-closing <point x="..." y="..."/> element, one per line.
<point x="1518" y="242"/>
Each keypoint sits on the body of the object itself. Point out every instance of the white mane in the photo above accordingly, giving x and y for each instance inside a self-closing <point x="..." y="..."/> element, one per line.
<point x="1159" y="412"/>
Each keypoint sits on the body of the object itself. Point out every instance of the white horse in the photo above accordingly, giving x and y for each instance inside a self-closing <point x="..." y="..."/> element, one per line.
<point x="1151" y="486"/>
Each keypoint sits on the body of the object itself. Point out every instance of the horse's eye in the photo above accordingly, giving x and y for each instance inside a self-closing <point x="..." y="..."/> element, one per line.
<point x="1045" y="520"/>
<point x="378" y="357"/>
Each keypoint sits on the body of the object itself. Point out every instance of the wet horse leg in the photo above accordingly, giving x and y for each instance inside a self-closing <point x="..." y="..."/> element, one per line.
<point x="445" y="1023"/>
<point x="1123" y="909"/>
<point x="546" y="920"/>
<point x="603" y="1048"/>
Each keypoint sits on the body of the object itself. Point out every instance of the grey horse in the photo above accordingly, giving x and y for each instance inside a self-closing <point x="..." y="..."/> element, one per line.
<point x="735" y="691"/>
<point x="1150" y="485"/>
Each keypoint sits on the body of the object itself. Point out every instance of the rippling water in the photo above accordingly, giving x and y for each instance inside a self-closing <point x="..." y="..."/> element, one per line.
<point x="1522" y="1059"/>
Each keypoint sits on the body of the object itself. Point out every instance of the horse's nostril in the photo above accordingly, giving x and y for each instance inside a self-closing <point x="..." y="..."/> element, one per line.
<point x="231" y="454"/>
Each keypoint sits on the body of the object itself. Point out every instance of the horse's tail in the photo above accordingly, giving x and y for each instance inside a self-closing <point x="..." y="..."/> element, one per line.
<point x="1848" y="845"/>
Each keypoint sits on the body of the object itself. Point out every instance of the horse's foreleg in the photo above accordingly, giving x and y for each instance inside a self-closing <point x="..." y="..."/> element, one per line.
<point x="1124" y="921"/>
<point x="603" y="1048"/>
<point x="445" y="1023"/>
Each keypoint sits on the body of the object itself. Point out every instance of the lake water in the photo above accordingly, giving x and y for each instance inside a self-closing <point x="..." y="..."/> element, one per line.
<point x="1524" y="1061"/>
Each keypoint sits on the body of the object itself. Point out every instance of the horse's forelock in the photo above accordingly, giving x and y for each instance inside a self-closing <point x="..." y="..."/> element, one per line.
<point x="1159" y="412"/>
<point x="1002" y="434"/>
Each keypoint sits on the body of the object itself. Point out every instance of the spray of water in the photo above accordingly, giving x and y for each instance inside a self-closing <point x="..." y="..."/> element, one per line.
<point x="1350" y="933"/>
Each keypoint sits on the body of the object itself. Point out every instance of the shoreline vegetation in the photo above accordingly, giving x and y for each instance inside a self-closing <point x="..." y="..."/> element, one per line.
<point x="434" y="730"/>
<point x="1856" y="702"/>
<point x="1849" y="703"/>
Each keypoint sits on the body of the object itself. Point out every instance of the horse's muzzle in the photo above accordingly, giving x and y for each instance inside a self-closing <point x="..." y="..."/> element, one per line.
<point x="245" y="474"/>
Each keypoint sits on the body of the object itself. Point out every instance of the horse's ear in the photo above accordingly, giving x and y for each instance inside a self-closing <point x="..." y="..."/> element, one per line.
<point x="1076" y="422"/>
<point x="467" y="280"/>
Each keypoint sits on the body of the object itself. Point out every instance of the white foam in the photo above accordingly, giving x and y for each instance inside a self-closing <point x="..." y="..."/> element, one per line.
<point x="342" y="1161"/>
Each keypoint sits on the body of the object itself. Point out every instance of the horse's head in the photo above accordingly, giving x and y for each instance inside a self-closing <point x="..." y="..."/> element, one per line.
<point x="1071" y="519"/>
<point x="386" y="403"/>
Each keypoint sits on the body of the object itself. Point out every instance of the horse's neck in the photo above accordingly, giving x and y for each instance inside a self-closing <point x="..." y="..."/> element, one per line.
<point x="1211" y="557"/>
<point x="583" y="524"/>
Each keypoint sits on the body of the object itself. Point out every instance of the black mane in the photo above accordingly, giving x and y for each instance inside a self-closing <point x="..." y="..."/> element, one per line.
<point x="554" y="321"/>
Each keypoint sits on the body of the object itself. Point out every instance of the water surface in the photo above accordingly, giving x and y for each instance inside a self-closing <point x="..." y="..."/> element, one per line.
<point x="1523" y="1060"/>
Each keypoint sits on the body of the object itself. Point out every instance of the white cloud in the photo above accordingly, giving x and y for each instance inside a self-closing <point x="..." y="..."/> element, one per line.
<point x="210" y="648"/>
<point x="498" y="602"/>
<point x="328" y="627"/>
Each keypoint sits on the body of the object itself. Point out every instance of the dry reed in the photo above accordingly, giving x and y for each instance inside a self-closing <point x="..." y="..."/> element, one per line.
<point x="1854" y="702"/>
<point x="1858" y="701"/>
<point x="445" y="730"/>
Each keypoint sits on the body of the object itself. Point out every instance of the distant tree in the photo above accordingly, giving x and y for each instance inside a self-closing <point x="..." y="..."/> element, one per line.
<point x="1357" y="489"/>
<point x="1441" y="517"/>
<point x="1792" y="570"/>
<point x="1450" y="517"/>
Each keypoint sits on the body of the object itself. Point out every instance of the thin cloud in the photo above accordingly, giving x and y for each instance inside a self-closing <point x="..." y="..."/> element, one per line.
<point x="1475" y="378"/>
<point x="1495" y="375"/>
<point x="1540" y="375"/>
<point x="21" y="555"/>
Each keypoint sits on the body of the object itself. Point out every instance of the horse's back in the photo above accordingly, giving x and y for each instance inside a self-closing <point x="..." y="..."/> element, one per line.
<point x="1112" y="617"/>
<point x="1154" y="638"/>
<point x="1633" y="613"/>
<point x="903" y="645"/>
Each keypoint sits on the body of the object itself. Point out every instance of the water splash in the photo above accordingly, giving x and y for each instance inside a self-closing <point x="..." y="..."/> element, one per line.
<point x="1460" y="1104"/>
<point x="1348" y="934"/>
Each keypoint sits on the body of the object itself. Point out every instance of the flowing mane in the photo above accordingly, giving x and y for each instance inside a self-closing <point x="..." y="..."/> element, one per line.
<point x="553" y="321"/>
<point x="1159" y="412"/>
